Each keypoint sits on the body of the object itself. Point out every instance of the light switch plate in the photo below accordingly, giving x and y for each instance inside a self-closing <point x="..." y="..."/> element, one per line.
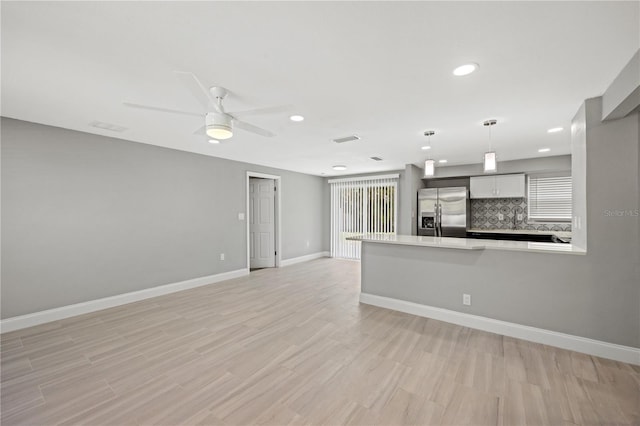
<point x="240" y="216"/>
<point x="500" y="216"/>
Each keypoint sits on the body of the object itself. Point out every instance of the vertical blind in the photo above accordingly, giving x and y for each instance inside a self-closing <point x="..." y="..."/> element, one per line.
<point x="361" y="206"/>
<point x="550" y="198"/>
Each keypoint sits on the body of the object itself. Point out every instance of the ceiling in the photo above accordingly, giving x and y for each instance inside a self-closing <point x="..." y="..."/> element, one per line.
<point x="381" y="70"/>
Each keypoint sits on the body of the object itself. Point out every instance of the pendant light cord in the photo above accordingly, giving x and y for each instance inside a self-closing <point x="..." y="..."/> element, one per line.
<point x="490" y="138"/>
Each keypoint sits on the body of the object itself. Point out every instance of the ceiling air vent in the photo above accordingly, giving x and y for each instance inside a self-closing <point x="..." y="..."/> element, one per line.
<point x="347" y="139"/>
<point x="107" y="126"/>
<point x="376" y="158"/>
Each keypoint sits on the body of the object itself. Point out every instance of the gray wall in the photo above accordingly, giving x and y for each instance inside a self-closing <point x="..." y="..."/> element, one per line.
<point x="579" y="177"/>
<point x="408" y="199"/>
<point x="623" y="95"/>
<point x="595" y="296"/>
<point x="448" y="182"/>
<point x="86" y="216"/>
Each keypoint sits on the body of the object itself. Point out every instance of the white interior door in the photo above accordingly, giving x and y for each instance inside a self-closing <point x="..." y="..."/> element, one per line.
<point x="262" y="226"/>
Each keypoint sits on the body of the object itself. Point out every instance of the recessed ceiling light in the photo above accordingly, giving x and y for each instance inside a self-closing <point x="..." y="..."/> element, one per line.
<point x="296" y="118"/>
<point x="339" y="167"/>
<point x="426" y="147"/>
<point x="555" y="130"/>
<point x="544" y="150"/>
<point x="465" y="69"/>
<point x="442" y="161"/>
<point x="214" y="141"/>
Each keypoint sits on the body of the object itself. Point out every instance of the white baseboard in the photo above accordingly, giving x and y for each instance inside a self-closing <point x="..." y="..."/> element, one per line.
<point x="547" y="337"/>
<point x="312" y="256"/>
<point x="36" y="318"/>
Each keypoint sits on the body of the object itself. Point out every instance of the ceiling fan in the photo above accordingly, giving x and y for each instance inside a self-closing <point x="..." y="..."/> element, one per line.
<point x="219" y="124"/>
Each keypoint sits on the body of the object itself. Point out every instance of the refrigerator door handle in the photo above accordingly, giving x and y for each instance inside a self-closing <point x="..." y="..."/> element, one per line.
<point x="439" y="214"/>
<point x="435" y="220"/>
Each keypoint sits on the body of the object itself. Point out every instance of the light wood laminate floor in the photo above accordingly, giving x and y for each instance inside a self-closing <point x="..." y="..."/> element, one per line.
<point x="294" y="346"/>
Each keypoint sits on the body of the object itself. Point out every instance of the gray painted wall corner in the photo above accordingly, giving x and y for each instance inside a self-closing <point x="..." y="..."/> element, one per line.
<point x="86" y="216"/>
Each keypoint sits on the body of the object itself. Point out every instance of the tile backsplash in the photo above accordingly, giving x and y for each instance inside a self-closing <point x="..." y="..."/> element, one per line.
<point x="484" y="215"/>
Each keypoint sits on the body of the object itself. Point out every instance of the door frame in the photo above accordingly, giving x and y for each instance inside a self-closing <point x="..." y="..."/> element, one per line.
<point x="276" y="217"/>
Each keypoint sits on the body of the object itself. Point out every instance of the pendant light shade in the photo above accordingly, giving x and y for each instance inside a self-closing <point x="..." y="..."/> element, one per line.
<point x="429" y="164"/>
<point x="490" y="164"/>
<point x="490" y="161"/>
<point x="429" y="168"/>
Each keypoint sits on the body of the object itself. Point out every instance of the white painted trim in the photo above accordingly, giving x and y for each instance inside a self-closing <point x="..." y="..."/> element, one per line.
<point x="312" y="256"/>
<point x="278" y="214"/>
<point x="552" y="338"/>
<point x="36" y="318"/>
<point x="365" y="178"/>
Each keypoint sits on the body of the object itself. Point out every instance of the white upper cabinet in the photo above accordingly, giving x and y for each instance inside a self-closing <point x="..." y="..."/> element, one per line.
<point x="510" y="186"/>
<point x="483" y="187"/>
<point x="498" y="186"/>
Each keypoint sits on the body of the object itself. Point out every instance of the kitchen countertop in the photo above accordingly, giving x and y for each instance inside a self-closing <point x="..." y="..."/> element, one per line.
<point x="468" y="243"/>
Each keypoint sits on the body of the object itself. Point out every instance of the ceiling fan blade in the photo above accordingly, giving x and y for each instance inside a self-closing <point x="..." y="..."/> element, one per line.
<point x="253" y="129"/>
<point x="197" y="89"/>
<point x="267" y="110"/>
<point x="161" y="109"/>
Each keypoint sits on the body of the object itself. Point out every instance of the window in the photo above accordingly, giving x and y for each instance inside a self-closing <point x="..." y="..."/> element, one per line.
<point x="360" y="206"/>
<point x="549" y="198"/>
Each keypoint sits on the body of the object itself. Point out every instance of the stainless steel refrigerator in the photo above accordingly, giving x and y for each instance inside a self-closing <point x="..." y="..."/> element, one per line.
<point x="444" y="212"/>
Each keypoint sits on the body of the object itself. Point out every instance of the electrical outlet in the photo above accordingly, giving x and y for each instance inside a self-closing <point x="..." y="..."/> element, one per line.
<point x="500" y="216"/>
<point x="221" y="256"/>
<point x="520" y="216"/>
<point x="240" y="216"/>
<point x="466" y="299"/>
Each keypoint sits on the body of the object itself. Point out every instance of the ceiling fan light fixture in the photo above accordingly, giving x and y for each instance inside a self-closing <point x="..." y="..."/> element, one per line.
<point x="219" y="132"/>
<point x="219" y="126"/>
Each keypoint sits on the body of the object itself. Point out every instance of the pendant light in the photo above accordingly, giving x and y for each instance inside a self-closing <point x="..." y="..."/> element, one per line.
<point x="490" y="159"/>
<point x="429" y="164"/>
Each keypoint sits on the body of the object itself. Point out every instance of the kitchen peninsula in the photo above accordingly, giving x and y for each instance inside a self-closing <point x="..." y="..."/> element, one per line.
<point x="522" y="289"/>
<point x="582" y="296"/>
